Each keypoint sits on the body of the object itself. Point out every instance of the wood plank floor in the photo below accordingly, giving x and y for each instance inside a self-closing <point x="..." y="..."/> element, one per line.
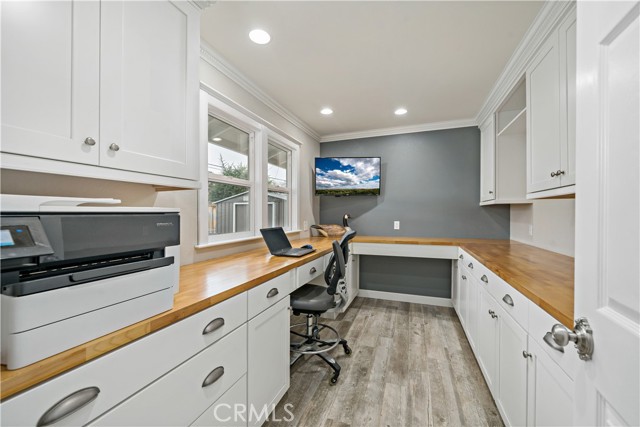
<point x="411" y="366"/>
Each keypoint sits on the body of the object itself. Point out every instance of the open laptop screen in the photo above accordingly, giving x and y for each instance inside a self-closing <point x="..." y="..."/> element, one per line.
<point x="275" y="238"/>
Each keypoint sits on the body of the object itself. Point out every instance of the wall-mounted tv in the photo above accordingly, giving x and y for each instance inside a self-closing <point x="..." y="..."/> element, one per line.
<point x="347" y="176"/>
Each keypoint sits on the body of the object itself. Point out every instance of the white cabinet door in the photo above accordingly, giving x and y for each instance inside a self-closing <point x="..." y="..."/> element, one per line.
<point x="473" y="301"/>
<point x="455" y="287"/>
<point x="512" y="394"/>
<point x="550" y="396"/>
<point x="487" y="161"/>
<point x="50" y="69"/>
<point x="567" y="50"/>
<point x="268" y="360"/>
<point x="487" y="345"/>
<point x="543" y="118"/>
<point x="149" y="87"/>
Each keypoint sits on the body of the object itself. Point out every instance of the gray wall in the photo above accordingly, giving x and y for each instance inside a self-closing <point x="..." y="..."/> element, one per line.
<point x="431" y="184"/>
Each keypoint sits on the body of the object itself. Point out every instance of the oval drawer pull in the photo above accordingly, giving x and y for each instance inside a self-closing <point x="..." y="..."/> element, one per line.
<point x="313" y="270"/>
<point x="548" y="338"/>
<point x="471" y="265"/>
<point x="484" y="278"/>
<point x="213" y="325"/>
<point x="461" y="257"/>
<point x="68" y="405"/>
<point x="508" y="300"/>
<point x="213" y="376"/>
<point x="272" y="293"/>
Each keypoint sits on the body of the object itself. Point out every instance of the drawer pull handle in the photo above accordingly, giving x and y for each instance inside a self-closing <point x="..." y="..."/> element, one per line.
<point x="526" y="354"/>
<point x="68" y="405"/>
<point x="484" y="278"/>
<point x="213" y="376"/>
<point x="213" y="325"/>
<point x="461" y="257"/>
<point x="272" y="293"/>
<point x="548" y="338"/>
<point x="464" y="277"/>
<point x="508" y="300"/>
<point x="471" y="265"/>
<point x="313" y="270"/>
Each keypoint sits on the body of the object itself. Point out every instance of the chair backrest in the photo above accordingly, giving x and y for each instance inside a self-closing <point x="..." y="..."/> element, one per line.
<point x="336" y="268"/>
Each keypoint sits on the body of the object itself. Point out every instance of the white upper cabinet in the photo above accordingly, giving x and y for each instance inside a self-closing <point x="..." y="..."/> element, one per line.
<point x="50" y="71"/>
<point x="149" y="87"/>
<point x="551" y="113"/>
<point x="112" y="84"/>
<point x="487" y="158"/>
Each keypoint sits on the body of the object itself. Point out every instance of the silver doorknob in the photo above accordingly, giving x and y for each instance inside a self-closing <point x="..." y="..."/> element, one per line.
<point x="114" y="147"/>
<point x="90" y="141"/>
<point x="581" y="336"/>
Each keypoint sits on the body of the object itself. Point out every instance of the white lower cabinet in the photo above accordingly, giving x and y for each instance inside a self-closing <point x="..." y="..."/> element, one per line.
<point x="528" y="378"/>
<point x="268" y="361"/>
<point x="228" y="411"/>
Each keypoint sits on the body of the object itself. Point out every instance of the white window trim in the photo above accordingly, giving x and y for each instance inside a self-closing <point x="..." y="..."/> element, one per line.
<point x="258" y="181"/>
<point x="235" y="205"/>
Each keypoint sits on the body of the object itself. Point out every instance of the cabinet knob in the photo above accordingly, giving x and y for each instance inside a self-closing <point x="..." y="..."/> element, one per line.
<point x="464" y="277"/>
<point x="461" y="257"/>
<point x="114" y="147"/>
<point x="484" y="278"/>
<point x="68" y="405"/>
<point x="526" y="354"/>
<point x="490" y="192"/>
<point x="493" y="314"/>
<point x="90" y="141"/>
<point x="553" y="174"/>
<point x="559" y="173"/>
<point x="470" y="265"/>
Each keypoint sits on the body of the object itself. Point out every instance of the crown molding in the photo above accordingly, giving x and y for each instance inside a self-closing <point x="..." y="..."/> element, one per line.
<point x="450" y="124"/>
<point x="544" y="24"/>
<point x="213" y="58"/>
<point x="202" y="4"/>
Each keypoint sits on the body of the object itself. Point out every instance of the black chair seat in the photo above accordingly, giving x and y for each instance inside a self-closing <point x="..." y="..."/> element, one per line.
<point x="311" y="298"/>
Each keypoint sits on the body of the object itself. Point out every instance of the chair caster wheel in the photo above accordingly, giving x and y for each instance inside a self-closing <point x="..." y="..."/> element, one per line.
<point x="333" y="380"/>
<point x="347" y="349"/>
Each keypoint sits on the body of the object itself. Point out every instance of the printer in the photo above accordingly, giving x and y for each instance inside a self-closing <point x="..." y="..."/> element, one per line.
<point x="71" y="273"/>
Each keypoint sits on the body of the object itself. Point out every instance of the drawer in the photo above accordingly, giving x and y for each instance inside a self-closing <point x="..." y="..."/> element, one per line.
<point x="541" y="322"/>
<point x="309" y="271"/>
<point x="476" y="268"/>
<point x="128" y="369"/>
<point x="511" y="301"/>
<point x="228" y="411"/>
<point x="179" y="397"/>
<point x="264" y="296"/>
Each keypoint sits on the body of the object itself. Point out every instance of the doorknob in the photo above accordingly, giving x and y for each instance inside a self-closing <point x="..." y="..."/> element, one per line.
<point x="582" y="336"/>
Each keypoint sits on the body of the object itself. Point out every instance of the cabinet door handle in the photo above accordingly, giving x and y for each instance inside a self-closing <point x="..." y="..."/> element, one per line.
<point x="313" y="270"/>
<point x="553" y="174"/>
<point x="548" y="338"/>
<point x="272" y="293"/>
<point x="90" y="141"/>
<point x="559" y="173"/>
<point x="493" y="314"/>
<point x="508" y="300"/>
<point x="213" y="325"/>
<point x="68" y="405"/>
<point x="464" y="277"/>
<point x="470" y="265"/>
<point x="114" y="147"/>
<point x="213" y="376"/>
<point x="490" y="192"/>
<point x="461" y="257"/>
<point x="526" y="354"/>
<point x="484" y="278"/>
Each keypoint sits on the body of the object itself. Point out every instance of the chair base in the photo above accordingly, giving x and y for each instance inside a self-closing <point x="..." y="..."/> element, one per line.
<point x="313" y="345"/>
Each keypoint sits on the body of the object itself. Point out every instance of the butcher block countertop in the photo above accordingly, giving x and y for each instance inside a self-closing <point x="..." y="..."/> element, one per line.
<point x="544" y="277"/>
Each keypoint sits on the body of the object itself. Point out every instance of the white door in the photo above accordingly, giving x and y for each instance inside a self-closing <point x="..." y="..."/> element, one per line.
<point x="50" y="72"/>
<point x="488" y="161"/>
<point x="607" y="293"/>
<point x="149" y="87"/>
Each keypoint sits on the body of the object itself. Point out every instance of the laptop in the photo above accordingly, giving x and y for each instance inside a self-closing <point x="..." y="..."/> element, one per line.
<point x="279" y="244"/>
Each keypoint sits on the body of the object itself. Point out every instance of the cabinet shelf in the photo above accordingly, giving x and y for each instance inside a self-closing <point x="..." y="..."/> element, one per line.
<point x="518" y="125"/>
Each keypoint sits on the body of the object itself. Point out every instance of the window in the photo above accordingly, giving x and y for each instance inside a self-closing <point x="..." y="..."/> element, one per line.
<point x="250" y="176"/>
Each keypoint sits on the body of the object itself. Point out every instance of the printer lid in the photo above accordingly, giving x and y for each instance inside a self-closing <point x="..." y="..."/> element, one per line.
<point x="20" y="203"/>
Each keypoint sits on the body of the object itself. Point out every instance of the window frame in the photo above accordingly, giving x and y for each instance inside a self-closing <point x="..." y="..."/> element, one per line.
<point x="260" y="138"/>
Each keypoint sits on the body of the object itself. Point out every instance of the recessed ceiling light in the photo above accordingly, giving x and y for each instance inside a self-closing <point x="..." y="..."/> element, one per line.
<point x="400" y="112"/>
<point x="216" y="139"/>
<point x="326" y="111"/>
<point x="259" y="36"/>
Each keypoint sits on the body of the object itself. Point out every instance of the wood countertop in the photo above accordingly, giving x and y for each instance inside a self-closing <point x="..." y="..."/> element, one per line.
<point x="544" y="277"/>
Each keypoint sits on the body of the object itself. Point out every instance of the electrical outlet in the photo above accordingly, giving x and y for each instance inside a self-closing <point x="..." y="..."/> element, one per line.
<point x="530" y="229"/>
<point x="396" y="225"/>
<point x="305" y="225"/>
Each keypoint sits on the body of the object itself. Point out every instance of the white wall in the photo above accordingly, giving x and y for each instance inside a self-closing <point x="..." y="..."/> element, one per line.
<point x="17" y="182"/>
<point x="552" y="224"/>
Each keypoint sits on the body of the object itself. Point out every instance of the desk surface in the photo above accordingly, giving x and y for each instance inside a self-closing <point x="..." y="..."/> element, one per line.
<point x="544" y="277"/>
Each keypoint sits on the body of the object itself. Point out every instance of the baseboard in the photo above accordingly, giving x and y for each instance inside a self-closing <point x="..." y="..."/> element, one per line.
<point x="392" y="296"/>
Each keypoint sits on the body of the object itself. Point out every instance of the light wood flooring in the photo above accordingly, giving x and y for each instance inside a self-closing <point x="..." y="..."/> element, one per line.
<point x="411" y="366"/>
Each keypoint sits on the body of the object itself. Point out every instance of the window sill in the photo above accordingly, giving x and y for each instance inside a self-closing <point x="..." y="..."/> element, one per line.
<point x="233" y="242"/>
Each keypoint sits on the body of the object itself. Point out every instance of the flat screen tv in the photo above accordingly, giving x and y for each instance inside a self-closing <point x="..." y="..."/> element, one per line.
<point x="347" y="176"/>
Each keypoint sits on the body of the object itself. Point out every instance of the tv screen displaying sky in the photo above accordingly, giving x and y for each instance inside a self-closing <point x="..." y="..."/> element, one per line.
<point x="348" y="176"/>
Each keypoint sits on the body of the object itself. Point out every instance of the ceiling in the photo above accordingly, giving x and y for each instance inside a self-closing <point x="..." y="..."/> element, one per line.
<point x="364" y="59"/>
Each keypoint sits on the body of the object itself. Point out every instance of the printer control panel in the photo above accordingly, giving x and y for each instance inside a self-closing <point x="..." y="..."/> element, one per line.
<point x="23" y="237"/>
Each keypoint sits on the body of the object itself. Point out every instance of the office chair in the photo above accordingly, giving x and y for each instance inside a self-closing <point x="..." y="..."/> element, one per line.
<point x="314" y="300"/>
